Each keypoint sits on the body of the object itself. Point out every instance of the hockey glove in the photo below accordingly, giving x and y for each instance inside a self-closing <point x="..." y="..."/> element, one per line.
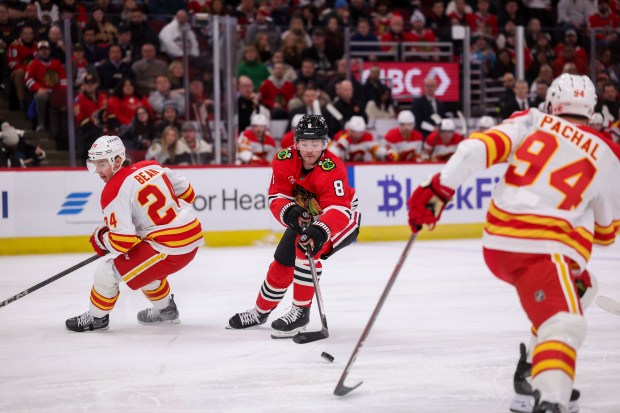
<point x="312" y="239"/>
<point x="427" y="203"/>
<point x="296" y="218"/>
<point x="96" y="240"/>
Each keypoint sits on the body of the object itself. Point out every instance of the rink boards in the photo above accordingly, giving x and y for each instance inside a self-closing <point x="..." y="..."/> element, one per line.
<point x="55" y="210"/>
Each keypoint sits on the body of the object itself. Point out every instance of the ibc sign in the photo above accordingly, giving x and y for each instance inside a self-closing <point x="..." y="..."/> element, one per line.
<point x="407" y="78"/>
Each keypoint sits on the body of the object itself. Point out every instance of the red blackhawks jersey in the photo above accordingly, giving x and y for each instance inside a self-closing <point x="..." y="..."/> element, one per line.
<point x="19" y="55"/>
<point x="409" y="148"/>
<point x="326" y="184"/>
<point x="558" y="193"/>
<point x="148" y="202"/>
<point x="48" y="75"/>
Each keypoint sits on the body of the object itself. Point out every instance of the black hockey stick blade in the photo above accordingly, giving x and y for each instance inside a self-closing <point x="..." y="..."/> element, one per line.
<point x="310" y="336"/>
<point x="342" y="390"/>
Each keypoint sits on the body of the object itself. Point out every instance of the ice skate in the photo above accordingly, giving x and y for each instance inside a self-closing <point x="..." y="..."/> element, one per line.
<point x="546" y="407"/>
<point x="169" y="314"/>
<point x="291" y="323"/>
<point x="524" y="400"/>
<point x="86" y="322"/>
<point x="247" y="319"/>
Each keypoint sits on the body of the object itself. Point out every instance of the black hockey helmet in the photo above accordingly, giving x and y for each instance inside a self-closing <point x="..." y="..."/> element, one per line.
<point x="311" y="127"/>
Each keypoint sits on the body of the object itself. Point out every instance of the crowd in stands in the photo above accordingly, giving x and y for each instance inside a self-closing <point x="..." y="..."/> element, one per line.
<point x="129" y="77"/>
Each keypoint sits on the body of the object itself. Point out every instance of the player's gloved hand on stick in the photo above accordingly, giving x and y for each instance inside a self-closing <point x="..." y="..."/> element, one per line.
<point x="296" y="218"/>
<point x="96" y="240"/>
<point x="427" y="203"/>
<point x="312" y="239"/>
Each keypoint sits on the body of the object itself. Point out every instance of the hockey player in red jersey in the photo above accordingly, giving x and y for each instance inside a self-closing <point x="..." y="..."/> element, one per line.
<point x="150" y="232"/>
<point x="310" y="195"/>
<point x="552" y="204"/>
<point x="405" y="140"/>
<point x="254" y="145"/>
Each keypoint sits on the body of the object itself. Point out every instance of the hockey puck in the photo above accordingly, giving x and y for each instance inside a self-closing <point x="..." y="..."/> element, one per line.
<point x="327" y="357"/>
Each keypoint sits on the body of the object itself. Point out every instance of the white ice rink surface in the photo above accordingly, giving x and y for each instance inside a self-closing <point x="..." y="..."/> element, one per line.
<point x="446" y="340"/>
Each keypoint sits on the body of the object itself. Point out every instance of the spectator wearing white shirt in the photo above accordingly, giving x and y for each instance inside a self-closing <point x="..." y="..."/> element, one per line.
<point x="171" y="37"/>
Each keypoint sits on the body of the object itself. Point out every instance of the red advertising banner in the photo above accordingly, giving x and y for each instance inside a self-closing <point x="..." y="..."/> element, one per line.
<point x="407" y="78"/>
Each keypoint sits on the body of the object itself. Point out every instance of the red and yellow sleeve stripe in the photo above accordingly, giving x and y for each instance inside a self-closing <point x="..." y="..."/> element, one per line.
<point x="538" y="227"/>
<point x="159" y="293"/>
<point x="497" y="143"/>
<point x="606" y="235"/>
<point x="101" y="302"/>
<point x="178" y="237"/>
<point x="122" y="243"/>
<point x="554" y="355"/>
<point x="189" y="195"/>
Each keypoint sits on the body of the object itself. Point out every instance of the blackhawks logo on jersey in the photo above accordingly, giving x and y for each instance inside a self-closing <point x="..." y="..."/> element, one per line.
<point x="327" y="164"/>
<point x="284" y="154"/>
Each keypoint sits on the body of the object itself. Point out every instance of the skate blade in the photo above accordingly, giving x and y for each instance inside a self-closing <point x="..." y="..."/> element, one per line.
<point x="89" y="331"/>
<point x="287" y="334"/>
<point x="175" y="321"/>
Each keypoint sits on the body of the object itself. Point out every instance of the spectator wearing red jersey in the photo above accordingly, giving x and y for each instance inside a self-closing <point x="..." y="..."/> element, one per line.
<point x="421" y="34"/>
<point x="276" y="92"/>
<point x="477" y="21"/>
<point x="396" y="33"/>
<point x="19" y="55"/>
<point x="89" y="111"/>
<point x="459" y="11"/>
<point x="605" y="23"/>
<point x="404" y="139"/>
<point x="125" y="101"/>
<point x="571" y="38"/>
<point x="441" y="144"/>
<point x="46" y="78"/>
<point x="568" y="56"/>
<point x="382" y="16"/>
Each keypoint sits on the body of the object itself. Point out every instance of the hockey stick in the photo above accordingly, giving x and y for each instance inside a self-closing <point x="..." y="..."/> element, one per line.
<point x="341" y="389"/>
<point x="309" y="337"/>
<point x="608" y="304"/>
<point x="48" y="281"/>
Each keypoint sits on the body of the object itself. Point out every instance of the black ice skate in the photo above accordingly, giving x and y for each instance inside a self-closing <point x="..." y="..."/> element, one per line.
<point x="291" y="323"/>
<point x="169" y="314"/>
<point x="247" y="319"/>
<point x="524" y="400"/>
<point x="86" y="322"/>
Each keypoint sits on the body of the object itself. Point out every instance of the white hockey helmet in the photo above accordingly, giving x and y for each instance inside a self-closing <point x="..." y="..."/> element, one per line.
<point x="357" y="124"/>
<point x="295" y="120"/>
<point x="447" y="125"/>
<point x="258" y="119"/>
<point x="596" y="121"/>
<point x="571" y="95"/>
<point x="486" y="122"/>
<point x="106" y="147"/>
<point x="406" y="116"/>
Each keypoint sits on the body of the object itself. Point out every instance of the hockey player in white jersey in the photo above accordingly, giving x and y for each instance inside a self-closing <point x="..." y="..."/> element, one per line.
<point x="149" y="232"/>
<point x="555" y="200"/>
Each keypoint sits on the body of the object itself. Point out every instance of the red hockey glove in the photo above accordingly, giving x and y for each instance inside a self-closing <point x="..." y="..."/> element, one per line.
<point x="427" y="203"/>
<point x="312" y="238"/>
<point x="96" y="240"/>
<point x="296" y="218"/>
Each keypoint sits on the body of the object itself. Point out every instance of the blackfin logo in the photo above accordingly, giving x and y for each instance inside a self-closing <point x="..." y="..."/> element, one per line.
<point x="74" y="203"/>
